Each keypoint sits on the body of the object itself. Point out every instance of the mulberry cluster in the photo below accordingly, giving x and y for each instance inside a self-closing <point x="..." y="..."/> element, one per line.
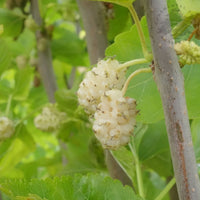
<point x="50" y="119"/>
<point x="189" y="52"/>
<point x="102" y="78"/>
<point x="6" y="128"/>
<point x="114" y="119"/>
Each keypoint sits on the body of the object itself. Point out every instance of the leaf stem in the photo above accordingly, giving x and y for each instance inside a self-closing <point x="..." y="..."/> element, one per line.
<point x="132" y="62"/>
<point x="192" y="34"/>
<point x="138" y="171"/>
<point x="166" y="189"/>
<point x="139" y="28"/>
<point x="180" y="27"/>
<point x="135" y="73"/>
<point x="8" y="105"/>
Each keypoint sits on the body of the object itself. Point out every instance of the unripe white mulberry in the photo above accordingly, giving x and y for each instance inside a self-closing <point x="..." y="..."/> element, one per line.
<point x="31" y="24"/>
<point x="102" y="78"/>
<point x="114" y="119"/>
<point x="42" y="44"/>
<point x="21" y="61"/>
<point x="189" y="52"/>
<point x="6" y="128"/>
<point x="50" y="119"/>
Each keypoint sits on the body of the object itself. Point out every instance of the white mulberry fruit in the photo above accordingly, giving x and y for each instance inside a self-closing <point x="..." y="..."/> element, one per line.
<point x="6" y="128"/>
<point x="50" y="119"/>
<point x="102" y="78"/>
<point x="114" y="119"/>
<point x="189" y="52"/>
<point x="31" y="24"/>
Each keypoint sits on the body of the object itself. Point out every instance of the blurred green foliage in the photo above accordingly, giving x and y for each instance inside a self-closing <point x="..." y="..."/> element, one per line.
<point x="31" y="153"/>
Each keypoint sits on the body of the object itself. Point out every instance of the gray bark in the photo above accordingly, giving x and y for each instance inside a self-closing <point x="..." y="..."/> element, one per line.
<point x="170" y="83"/>
<point x="139" y="8"/>
<point x="95" y="26"/>
<point x="44" y="57"/>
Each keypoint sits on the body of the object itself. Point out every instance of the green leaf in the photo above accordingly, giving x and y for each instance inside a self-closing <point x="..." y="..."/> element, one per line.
<point x="5" y="91"/>
<point x="154" y="149"/>
<point x="139" y="132"/>
<point x="125" y="158"/>
<point x="72" y="125"/>
<point x="12" y="22"/>
<point x="154" y="185"/>
<point x="144" y="90"/>
<point x="155" y="140"/>
<point x="189" y="8"/>
<point x="21" y="145"/>
<point x="5" y="56"/>
<point x="192" y="89"/>
<point x="195" y="129"/>
<point x="67" y="47"/>
<point x="23" y="80"/>
<point x="124" y="3"/>
<point x="161" y="164"/>
<point x="92" y="186"/>
<point x="120" y="21"/>
<point x="174" y="13"/>
<point x="24" y="44"/>
<point x="127" y="44"/>
<point x="78" y="156"/>
<point x="67" y="100"/>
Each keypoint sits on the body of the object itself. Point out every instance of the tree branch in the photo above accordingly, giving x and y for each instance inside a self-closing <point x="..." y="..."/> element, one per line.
<point x="45" y="59"/>
<point x="170" y="83"/>
<point x="95" y="26"/>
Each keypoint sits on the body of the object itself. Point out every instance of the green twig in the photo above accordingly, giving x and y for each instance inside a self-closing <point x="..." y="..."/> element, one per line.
<point x="8" y="105"/>
<point x="166" y="189"/>
<point x="180" y="27"/>
<point x="135" y="73"/>
<point x="138" y="171"/>
<point x="132" y="62"/>
<point x="140" y="31"/>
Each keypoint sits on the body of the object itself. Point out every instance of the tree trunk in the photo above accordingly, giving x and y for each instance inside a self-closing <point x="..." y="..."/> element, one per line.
<point x="45" y="59"/>
<point x="170" y="83"/>
<point x="95" y="26"/>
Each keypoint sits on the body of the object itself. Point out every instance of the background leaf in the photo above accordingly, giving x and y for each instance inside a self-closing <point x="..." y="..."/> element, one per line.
<point x="189" y="8"/>
<point x="23" y="80"/>
<point x="67" y="100"/>
<point x="192" y="89"/>
<point x="125" y="158"/>
<point x="21" y="145"/>
<point x="119" y="21"/>
<point x="154" y="149"/>
<point x="93" y="187"/>
<point x="67" y="47"/>
<point x="5" y="58"/>
<point x="195" y="129"/>
<point x="12" y="22"/>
